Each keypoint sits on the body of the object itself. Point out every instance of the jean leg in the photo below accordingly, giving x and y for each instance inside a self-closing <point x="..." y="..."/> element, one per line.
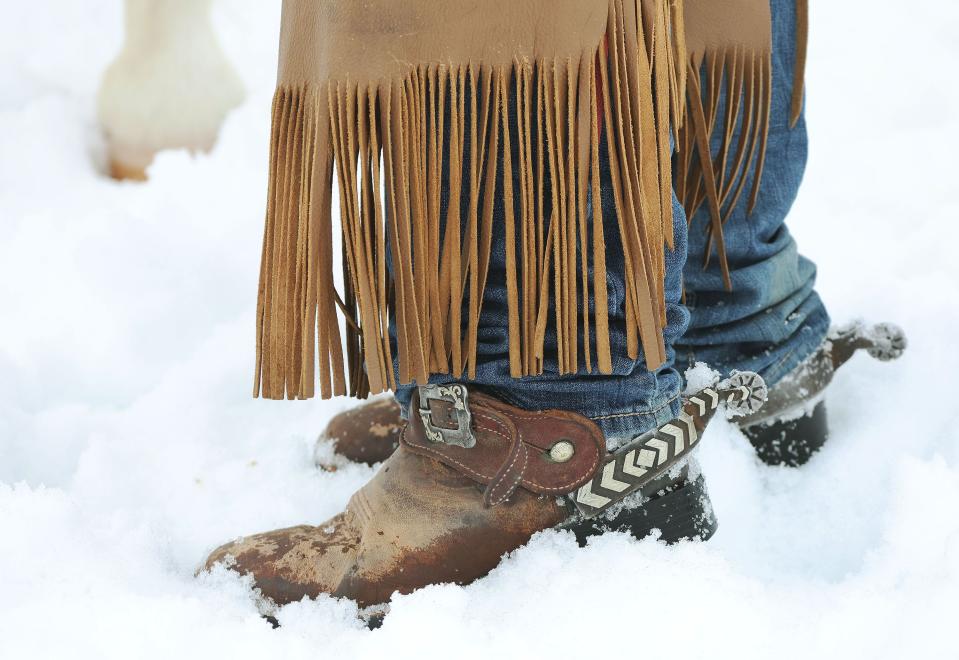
<point x="773" y="318"/>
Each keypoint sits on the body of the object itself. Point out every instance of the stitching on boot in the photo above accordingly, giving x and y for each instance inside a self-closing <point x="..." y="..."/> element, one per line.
<point x="499" y="481"/>
<point x="517" y="480"/>
<point x="443" y="457"/>
<point x="477" y="413"/>
<point x="562" y="487"/>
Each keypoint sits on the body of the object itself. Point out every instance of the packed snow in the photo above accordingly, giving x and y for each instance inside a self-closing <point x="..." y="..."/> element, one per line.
<point x="130" y="445"/>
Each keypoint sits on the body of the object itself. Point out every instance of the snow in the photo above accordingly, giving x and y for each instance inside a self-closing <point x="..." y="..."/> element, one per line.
<point x="699" y="377"/>
<point x="130" y="445"/>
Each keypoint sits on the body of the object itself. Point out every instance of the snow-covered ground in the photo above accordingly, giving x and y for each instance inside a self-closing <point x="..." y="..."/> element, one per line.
<point x="130" y="445"/>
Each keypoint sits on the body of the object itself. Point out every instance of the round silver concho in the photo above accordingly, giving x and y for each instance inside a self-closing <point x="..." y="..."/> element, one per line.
<point x="562" y="451"/>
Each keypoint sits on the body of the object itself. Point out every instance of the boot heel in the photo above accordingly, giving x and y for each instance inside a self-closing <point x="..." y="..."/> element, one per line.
<point x="682" y="511"/>
<point x="792" y="442"/>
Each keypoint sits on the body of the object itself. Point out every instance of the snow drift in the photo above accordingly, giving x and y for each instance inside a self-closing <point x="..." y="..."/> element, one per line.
<point x="130" y="445"/>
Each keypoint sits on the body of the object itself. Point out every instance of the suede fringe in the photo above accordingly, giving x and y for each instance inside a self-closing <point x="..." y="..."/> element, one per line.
<point x="384" y="141"/>
<point x="743" y="81"/>
<point x="739" y="78"/>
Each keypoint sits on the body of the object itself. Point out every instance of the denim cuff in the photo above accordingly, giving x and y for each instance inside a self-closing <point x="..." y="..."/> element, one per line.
<point x="620" y="427"/>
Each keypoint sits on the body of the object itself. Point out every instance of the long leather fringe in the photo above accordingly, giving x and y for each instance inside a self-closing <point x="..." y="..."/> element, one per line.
<point x="738" y="78"/>
<point x="389" y="144"/>
<point x="742" y="81"/>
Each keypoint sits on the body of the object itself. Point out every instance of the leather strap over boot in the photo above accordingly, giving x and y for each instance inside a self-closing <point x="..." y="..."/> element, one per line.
<point x="556" y="452"/>
<point x="550" y="452"/>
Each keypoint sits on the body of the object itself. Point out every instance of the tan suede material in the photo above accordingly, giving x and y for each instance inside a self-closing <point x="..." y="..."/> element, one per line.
<point x="380" y="40"/>
<point x="393" y="96"/>
<point x="718" y="25"/>
<point x="390" y="95"/>
<point x="730" y="62"/>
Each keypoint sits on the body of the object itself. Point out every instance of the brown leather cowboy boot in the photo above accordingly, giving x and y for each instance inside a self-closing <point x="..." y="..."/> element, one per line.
<point x="475" y="478"/>
<point x="792" y="426"/>
<point x="368" y="433"/>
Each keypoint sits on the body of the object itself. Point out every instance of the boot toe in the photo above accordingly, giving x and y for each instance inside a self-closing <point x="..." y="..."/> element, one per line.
<point x="367" y="434"/>
<point x="288" y="564"/>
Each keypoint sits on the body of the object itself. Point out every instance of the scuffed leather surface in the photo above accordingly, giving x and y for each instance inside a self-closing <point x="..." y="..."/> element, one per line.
<point x="417" y="522"/>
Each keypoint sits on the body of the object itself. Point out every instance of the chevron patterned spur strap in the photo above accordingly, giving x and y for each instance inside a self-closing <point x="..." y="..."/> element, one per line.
<point x="638" y="463"/>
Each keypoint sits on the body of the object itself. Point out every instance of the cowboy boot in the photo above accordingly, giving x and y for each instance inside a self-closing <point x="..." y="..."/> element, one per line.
<point x="792" y="426"/>
<point x="368" y="433"/>
<point x="475" y="478"/>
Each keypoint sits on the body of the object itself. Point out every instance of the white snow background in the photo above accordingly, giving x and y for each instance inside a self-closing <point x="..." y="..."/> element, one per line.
<point x="130" y="445"/>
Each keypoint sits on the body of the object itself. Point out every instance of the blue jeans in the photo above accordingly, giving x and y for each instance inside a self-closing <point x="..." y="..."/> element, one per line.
<point x="768" y="323"/>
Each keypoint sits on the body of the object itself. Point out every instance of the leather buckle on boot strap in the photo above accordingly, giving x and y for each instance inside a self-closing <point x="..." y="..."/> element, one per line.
<point x="462" y="435"/>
